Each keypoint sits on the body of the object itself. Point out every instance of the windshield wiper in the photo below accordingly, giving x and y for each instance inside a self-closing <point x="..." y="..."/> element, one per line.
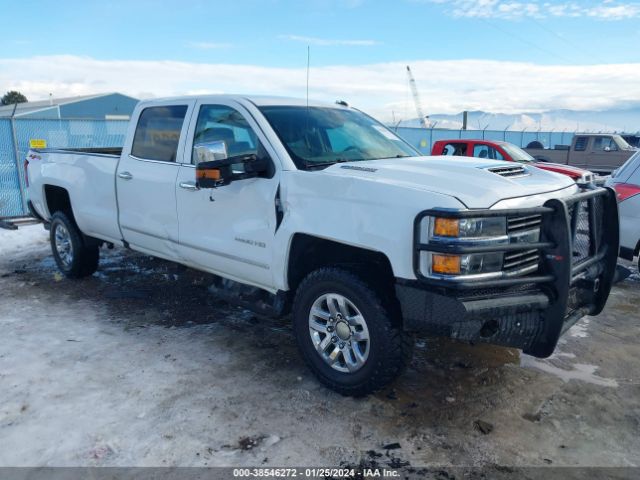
<point x="327" y="164"/>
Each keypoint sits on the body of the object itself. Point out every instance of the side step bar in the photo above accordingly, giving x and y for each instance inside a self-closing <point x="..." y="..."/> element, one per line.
<point x="16" y="222"/>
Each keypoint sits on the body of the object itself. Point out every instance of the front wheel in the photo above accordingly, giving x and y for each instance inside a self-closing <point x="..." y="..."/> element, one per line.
<point x="346" y="333"/>
<point x="74" y="257"/>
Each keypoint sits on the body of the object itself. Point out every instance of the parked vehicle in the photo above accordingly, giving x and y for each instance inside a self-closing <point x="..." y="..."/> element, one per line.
<point x="321" y="211"/>
<point x="506" y="151"/>
<point x="598" y="152"/>
<point x="626" y="182"/>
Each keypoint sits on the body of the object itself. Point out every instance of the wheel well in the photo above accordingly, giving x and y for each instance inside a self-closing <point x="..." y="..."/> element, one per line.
<point x="57" y="199"/>
<point x="309" y="253"/>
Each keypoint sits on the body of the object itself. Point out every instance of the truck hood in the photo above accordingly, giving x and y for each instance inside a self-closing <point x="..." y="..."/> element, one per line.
<point x="476" y="182"/>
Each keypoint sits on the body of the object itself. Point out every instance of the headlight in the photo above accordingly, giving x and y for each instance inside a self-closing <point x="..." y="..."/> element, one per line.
<point x="465" y="231"/>
<point x="470" y="227"/>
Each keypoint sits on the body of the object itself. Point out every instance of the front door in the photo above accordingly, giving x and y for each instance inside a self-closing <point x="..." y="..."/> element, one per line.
<point x="228" y="230"/>
<point x="146" y="179"/>
<point x="605" y="156"/>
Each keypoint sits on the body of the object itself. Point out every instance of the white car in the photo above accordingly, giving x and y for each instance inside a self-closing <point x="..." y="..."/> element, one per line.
<point x="320" y="211"/>
<point x="626" y="182"/>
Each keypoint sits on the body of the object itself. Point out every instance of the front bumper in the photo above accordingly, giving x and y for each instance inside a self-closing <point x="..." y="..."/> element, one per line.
<point x="578" y="254"/>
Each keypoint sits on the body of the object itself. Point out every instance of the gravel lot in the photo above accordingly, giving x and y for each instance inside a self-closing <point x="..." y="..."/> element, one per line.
<point x="140" y="365"/>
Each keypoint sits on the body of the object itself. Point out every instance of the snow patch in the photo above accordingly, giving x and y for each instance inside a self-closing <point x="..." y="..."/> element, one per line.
<point x="579" y="330"/>
<point x="30" y="237"/>
<point x="576" y="371"/>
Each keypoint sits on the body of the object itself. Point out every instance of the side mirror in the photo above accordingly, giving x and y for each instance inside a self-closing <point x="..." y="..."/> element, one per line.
<point x="607" y="149"/>
<point x="209" y="151"/>
<point x="217" y="173"/>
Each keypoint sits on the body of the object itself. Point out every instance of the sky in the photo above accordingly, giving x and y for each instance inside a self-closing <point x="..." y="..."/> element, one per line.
<point x="493" y="55"/>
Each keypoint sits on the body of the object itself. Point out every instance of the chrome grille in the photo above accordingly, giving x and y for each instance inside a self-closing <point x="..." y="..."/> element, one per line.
<point x="522" y="262"/>
<point x="520" y="224"/>
<point x="581" y="227"/>
<point x="515" y="171"/>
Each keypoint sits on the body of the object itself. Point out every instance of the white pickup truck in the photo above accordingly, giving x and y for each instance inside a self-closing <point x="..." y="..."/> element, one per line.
<point x="320" y="211"/>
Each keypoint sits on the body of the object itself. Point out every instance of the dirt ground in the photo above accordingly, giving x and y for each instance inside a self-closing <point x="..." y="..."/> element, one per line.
<point x="139" y="365"/>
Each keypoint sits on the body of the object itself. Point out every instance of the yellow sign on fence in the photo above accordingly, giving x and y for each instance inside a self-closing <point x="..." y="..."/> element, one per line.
<point x="37" y="143"/>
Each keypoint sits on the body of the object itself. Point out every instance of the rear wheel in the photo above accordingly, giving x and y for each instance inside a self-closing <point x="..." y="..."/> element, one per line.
<point x="346" y="334"/>
<point x="75" y="257"/>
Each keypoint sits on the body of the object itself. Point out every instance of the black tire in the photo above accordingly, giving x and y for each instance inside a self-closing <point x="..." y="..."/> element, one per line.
<point x="83" y="257"/>
<point x="390" y="348"/>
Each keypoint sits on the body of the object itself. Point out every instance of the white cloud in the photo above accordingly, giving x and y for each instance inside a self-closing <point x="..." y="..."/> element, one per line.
<point x="445" y="86"/>
<point x="327" y="42"/>
<point x="515" y="9"/>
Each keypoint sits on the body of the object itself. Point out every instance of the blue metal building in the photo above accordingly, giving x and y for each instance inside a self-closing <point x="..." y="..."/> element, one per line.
<point x="106" y="106"/>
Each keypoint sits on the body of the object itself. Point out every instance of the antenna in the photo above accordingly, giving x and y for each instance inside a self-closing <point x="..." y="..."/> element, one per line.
<point x="308" y="63"/>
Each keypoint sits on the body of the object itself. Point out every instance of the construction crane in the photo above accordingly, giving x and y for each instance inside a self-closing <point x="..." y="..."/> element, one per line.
<point x="416" y="99"/>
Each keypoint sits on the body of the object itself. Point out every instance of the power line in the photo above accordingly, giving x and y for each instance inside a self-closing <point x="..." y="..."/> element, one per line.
<point x="567" y="41"/>
<point x="524" y="40"/>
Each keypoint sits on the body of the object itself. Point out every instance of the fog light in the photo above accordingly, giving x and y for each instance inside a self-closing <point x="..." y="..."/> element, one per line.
<point x="445" y="264"/>
<point x="471" y="264"/>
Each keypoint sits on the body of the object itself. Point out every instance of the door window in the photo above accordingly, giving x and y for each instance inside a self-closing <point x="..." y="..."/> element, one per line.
<point x="604" y="144"/>
<point x="219" y="123"/>
<point x="158" y="133"/>
<point x="486" y="151"/>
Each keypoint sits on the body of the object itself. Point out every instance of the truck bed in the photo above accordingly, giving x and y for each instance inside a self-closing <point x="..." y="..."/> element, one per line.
<point x="88" y="175"/>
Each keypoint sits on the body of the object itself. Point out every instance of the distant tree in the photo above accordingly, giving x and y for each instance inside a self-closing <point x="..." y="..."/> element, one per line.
<point x="12" y="97"/>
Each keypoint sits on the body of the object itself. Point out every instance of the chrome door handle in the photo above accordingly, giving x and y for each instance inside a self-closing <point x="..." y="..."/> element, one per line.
<point x="188" y="186"/>
<point x="125" y="175"/>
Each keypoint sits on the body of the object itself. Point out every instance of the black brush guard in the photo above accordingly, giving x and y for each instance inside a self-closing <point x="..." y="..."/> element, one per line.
<point x="578" y="254"/>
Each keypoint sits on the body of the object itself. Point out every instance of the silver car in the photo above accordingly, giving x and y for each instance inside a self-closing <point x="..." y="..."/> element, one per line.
<point x="626" y="182"/>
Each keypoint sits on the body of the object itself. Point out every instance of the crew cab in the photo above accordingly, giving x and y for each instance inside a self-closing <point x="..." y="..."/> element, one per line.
<point x="508" y="152"/>
<point x="318" y="211"/>
<point x="598" y="152"/>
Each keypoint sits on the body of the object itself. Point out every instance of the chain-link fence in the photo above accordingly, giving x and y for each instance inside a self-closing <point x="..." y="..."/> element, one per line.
<point x="423" y="138"/>
<point x="15" y="138"/>
<point x="16" y="134"/>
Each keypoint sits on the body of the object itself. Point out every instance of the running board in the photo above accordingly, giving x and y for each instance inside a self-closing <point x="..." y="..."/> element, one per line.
<point x="17" y="222"/>
<point x="252" y="298"/>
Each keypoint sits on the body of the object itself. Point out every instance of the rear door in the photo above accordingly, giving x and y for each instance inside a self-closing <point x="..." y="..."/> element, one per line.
<point x="146" y="179"/>
<point x="581" y="151"/>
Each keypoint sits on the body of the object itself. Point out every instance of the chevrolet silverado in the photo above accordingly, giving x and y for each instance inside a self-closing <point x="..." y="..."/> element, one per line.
<point x="321" y="212"/>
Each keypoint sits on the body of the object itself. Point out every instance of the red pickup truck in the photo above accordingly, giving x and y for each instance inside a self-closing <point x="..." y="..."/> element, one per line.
<point x="505" y="151"/>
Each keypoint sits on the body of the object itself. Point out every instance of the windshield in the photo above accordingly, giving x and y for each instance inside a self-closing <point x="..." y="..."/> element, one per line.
<point x="318" y="136"/>
<point x="517" y="154"/>
<point x="622" y="143"/>
<point x="627" y="168"/>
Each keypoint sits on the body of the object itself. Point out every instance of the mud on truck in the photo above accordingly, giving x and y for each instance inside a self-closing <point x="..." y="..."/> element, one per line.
<point x="319" y="212"/>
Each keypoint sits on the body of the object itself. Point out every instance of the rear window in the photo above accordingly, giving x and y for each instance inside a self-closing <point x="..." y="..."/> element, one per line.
<point x="158" y="133"/>
<point x="581" y="144"/>
<point x="457" y="149"/>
